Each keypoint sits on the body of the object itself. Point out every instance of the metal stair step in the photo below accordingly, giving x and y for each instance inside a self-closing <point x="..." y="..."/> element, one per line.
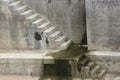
<point x="66" y="44"/>
<point x="61" y="40"/>
<point x="49" y="31"/>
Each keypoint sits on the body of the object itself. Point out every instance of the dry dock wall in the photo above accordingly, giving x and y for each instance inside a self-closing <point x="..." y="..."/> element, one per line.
<point x="103" y="24"/>
<point x="67" y="15"/>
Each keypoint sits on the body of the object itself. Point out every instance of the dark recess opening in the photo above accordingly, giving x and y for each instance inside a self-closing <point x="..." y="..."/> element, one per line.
<point x="84" y="39"/>
<point x="37" y="36"/>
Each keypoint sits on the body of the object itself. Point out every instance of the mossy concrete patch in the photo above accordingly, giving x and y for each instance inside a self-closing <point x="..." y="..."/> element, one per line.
<point x="74" y="51"/>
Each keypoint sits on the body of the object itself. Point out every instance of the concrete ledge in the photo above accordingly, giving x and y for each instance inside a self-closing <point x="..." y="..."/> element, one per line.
<point x="104" y="55"/>
<point x="24" y="62"/>
<point x="109" y="60"/>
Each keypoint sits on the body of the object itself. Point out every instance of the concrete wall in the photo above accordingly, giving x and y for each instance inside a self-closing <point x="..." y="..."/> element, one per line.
<point x="31" y="67"/>
<point x="67" y="15"/>
<point x="103" y="24"/>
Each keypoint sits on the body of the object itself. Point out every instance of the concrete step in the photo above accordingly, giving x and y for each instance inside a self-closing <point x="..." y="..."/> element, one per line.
<point x="22" y="8"/>
<point x="91" y="65"/>
<point x="49" y="31"/>
<point x="11" y="1"/>
<point x="83" y="62"/>
<point x="23" y="62"/>
<point x="55" y="35"/>
<point x="44" y="26"/>
<point x="16" y="4"/>
<point x="84" y="73"/>
<point x="33" y="17"/>
<point x="101" y="74"/>
<point x="27" y="13"/>
<point x="81" y="57"/>
<point x="95" y="71"/>
<point x="38" y="22"/>
<point x="87" y="71"/>
<point x="61" y="40"/>
<point x="66" y="44"/>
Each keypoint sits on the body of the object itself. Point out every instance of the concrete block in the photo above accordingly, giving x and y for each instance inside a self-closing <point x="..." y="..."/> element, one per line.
<point x="3" y="61"/>
<point x="14" y="61"/>
<point x="35" y="69"/>
<point x="15" y="68"/>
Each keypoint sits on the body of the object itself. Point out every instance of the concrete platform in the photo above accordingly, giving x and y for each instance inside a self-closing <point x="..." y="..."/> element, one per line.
<point x="32" y="62"/>
<point x="23" y="62"/>
<point x="24" y="54"/>
<point x="109" y="60"/>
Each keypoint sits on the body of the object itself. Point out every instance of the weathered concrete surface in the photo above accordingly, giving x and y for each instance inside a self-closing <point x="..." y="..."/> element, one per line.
<point x="32" y="62"/>
<point x="22" y="62"/>
<point x="17" y="77"/>
<point x="106" y="59"/>
<point x="26" y="62"/>
<point x="67" y="15"/>
<point x="103" y="24"/>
